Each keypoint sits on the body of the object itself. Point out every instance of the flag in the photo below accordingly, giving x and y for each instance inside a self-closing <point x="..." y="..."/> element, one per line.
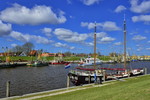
<point x="67" y="66"/>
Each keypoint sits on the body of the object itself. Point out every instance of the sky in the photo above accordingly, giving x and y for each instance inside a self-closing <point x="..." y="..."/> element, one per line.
<point x="68" y="25"/>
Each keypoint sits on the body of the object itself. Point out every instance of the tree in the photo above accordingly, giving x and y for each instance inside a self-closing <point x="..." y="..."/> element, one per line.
<point x="17" y="49"/>
<point x="27" y="47"/>
<point x="68" y="53"/>
<point x="113" y="54"/>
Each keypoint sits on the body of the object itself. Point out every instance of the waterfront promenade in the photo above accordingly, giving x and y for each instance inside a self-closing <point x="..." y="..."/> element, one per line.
<point x="133" y="88"/>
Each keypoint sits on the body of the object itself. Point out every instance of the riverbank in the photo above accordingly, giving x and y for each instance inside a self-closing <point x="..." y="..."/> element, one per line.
<point x="134" y="88"/>
<point x="30" y="58"/>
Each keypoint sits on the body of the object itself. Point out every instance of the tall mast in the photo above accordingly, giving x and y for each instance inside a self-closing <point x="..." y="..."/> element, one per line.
<point x="95" y="46"/>
<point x="125" y="43"/>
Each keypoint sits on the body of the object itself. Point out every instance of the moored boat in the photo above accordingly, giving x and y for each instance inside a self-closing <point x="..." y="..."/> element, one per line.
<point x="85" y="74"/>
<point x="37" y="63"/>
<point x="89" y="61"/>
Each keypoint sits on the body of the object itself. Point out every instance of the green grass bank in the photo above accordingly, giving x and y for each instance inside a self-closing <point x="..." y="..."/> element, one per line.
<point x="28" y="58"/>
<point x="135" y="88"/>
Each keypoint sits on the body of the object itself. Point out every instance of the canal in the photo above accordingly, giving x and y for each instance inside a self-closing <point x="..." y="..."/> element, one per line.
<point x="26" y="80"/>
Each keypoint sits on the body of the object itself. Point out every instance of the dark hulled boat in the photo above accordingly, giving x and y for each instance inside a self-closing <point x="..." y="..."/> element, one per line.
<point x="83" y="75"/>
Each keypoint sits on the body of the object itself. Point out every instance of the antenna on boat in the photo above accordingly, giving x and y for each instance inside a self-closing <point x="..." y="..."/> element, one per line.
<point x="95" y="45"/>
<point x="125" y="42"/>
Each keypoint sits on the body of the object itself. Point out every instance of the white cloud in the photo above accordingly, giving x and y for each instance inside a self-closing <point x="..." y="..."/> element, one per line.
<point x="110" y="26"/>
<point x="118" y="43"/>
<point x="107" y="26"/>
<point x="37" y="15"/>
<point x="98" y="35"/>
<point x="58" y="44"/>
<point x="13" y="45"/>
<point x="72" y="48"/>
<point x="143" y="7"/>
<point x="90" y="2"/>
<point x="89" y="43"/>
<point x="5" y="29"/>
<point x="120" y="8"/>
<point x="139" y="49"/>
<point x="148" y="41"/>
<point x="69" y="36"/>
<point x="147" y="48"/>
<point x="141" y="18"/>
<point x="26" y="38"/>
<point x="139" y="37"/>
<point x="47" y="31"/>
<point x="106" y="40"/>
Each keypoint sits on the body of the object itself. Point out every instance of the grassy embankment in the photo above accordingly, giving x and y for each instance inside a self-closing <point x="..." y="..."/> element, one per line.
<point x="27" y="58"/>
<point x="137" y="88"/>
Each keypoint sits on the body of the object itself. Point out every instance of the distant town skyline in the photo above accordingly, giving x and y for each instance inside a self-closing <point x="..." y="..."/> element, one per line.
<point x="68" y="25"/>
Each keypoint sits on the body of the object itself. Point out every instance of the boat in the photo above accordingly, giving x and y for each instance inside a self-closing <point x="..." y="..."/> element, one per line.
<point x="126" y="71"/>
<point x="58" y="60"/>
<point x="89" y="61"/>
<point x="37" y="63"/>
<point x="85" y="74"/>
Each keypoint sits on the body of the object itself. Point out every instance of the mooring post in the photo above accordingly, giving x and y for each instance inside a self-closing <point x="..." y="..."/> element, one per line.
<point x="104" y="75"/>
<point x="145" y="71"/>
<point x="89" y="79"/>
<point x="68" y="81"/>
<point x="8" y="89"/>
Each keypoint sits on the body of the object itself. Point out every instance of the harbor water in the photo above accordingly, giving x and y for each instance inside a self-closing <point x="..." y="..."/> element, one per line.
<point x="25" y="80"/>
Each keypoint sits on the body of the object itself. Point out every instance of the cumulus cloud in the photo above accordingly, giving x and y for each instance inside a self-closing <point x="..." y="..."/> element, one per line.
<point x="27" y="37"/>
<point x="58" y="44"/>
<point x="143" y="7"/>
<point x="5" y="29"/>
<point x="118" y="43"/>
<point x="141" y="18"/>
<point x="47" y="31"/>
<point x="110" y="26"/>
<point x="19" y="14"/>
<point x="139" y="37"/>
<point x="69" y="36"/>
<point x="90" y="2"/>
<point x="120" y="8"/>
<point x="98" y="35"/>
<point x="106" y="40"/>
<point x="107" y="26"/>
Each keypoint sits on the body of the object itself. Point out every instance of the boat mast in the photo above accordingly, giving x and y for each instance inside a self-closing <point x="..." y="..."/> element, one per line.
<point x="125" y="43"/>
<point x="95" y="46"/>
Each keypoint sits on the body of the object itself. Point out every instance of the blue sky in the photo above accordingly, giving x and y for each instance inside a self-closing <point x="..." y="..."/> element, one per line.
<point x="67" y="25"/>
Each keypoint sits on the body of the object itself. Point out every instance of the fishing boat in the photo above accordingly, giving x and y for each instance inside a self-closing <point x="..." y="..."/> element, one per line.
<point x="89" y="61"/>
<point x="37" y="63"/>
<point x="58" y="60"/>
<point x="87" y="74"/>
